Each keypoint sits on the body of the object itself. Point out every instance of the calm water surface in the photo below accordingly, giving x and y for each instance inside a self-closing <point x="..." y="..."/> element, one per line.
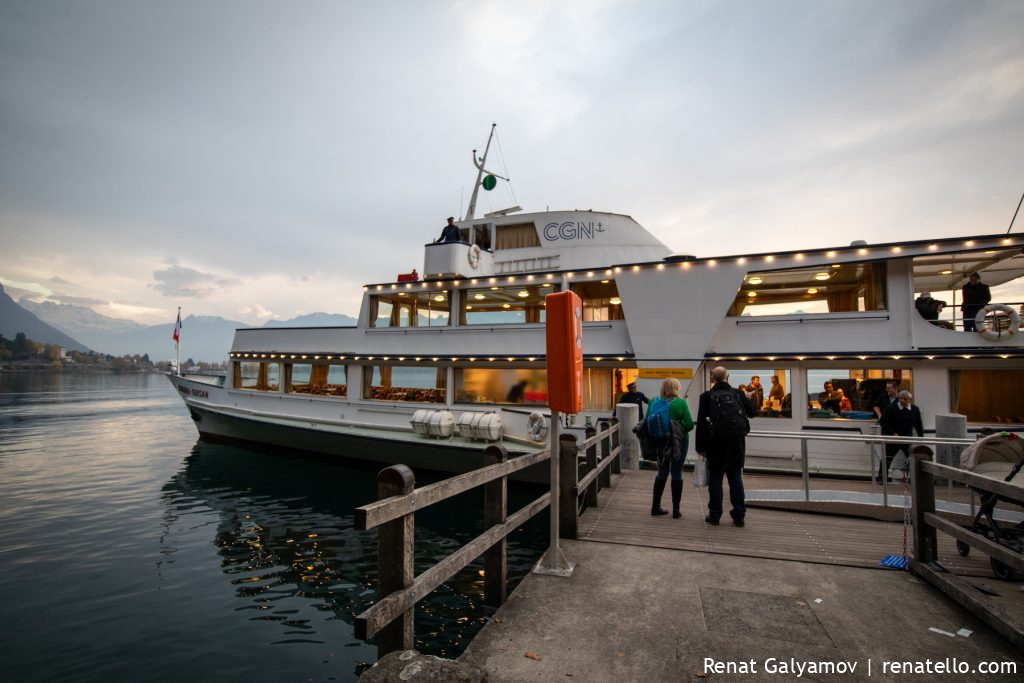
<point x="130" y="550"/>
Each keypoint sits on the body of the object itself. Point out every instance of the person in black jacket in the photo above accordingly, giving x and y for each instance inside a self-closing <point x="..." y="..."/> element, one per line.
<point x="450" y="233"/>
<point x="724" y="444"/>
<point x="976" y="296"/>
<point x="901" y="419"/>
<point x="634" y="396"/>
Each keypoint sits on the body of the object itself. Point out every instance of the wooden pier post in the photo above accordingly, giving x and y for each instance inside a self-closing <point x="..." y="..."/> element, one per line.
<point x="595" y="485"/>
<point x="617" y="465"/>
<point x="568" y="515"/>
<point x="923" y="496"/>
<point x="395" y="558"/>
<point x="606" y="448"/>
<point x="495" y="512"/>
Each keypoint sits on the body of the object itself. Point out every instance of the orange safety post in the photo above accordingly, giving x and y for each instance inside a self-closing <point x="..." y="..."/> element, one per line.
<point x="564" y="312"/>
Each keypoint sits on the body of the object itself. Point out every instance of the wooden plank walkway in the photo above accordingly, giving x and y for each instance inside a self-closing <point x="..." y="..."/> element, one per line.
<point x="623" y="516"/>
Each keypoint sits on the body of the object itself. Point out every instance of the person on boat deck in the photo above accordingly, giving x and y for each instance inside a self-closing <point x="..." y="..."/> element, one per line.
<point x="450" y="232"/>
<point x="928" y="307"/>
<point x="828" y="399"/>
<point x="756" y="391"/>
<point x="976" y="296"/>
<point x="517" y="393"/>
<point x="634" y="396"/>
<point x="885" y="400"/>
<point x="778" y="392"/>
<point x="844" y="402"/>
<point x="673" y="452"/>
<point x="901" y="419"/>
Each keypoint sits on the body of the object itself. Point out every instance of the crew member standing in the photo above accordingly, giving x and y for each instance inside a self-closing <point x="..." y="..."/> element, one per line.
<point x="976" y="296"/>
<point x="450" y="232"/>
<point x="634" y="396"/>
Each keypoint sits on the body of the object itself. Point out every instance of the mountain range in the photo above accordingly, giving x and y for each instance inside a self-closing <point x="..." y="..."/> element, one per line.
<point x="203" y="338"/>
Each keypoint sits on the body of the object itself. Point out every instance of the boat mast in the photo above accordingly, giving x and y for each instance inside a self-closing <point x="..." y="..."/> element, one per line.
<point x="480" y="163"/>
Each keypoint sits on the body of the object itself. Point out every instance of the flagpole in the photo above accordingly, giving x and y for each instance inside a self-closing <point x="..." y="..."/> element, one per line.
<point x="177" y="344"/>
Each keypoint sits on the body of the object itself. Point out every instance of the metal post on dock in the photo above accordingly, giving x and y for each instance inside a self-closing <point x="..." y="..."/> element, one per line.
<point x="805" y="468"/>
<point x="554" y="563"/>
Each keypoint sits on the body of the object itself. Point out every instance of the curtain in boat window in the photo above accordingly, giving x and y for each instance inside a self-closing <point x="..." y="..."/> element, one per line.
<point x="518" y="236"/>
<point x="597" y="389"/>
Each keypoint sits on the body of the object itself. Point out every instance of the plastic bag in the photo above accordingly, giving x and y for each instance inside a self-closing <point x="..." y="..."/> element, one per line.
<point x="700" y="472"/>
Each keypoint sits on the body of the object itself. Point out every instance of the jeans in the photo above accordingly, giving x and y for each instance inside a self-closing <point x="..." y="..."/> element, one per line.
<point x="673" y="466"/>
<point x="734" y="472"/>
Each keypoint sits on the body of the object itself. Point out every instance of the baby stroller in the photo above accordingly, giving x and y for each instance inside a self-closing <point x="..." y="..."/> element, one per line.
<point x="998" y="456"/>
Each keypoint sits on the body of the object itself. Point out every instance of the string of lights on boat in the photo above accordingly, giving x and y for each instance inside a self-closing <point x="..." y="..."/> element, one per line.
<point x="946" y="354"/>
<point x="858" y="251"/>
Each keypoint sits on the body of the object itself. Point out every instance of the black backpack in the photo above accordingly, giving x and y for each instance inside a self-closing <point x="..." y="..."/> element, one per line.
<point x="727" y="418"/>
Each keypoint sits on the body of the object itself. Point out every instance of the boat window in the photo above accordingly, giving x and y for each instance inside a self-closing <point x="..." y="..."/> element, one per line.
<point x="836" y="288"/>
<point x="600" y="300"/>
<point x="482" y="235"/>
<point x="404" y="383"/>
<point x="410" y="309"/>
<point x="497" y="305"/>
<point x="944" y="275"/>
<point x="851" y="393"/>
<point x="988" y="396"/>
<point x="518" y="236"/>
<point x="528" y="386"/>
<point x="769" y="389"/>
<point x="501" y="385"/>
<point x="258" y="376"/>
<point x="317" y="379"/>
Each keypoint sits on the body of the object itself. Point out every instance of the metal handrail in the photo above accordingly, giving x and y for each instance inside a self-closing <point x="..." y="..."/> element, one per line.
<point x="804" y="437"/>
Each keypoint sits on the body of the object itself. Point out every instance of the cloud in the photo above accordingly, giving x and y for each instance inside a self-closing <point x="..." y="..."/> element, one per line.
<point x="76" y="300"/>
<point x="61" y="281"/>
<point x="181" y="281"/>
<point x="258" y="310"/>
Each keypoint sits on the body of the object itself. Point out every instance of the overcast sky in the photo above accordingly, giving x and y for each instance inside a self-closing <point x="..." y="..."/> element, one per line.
<point x="255" y="159"/>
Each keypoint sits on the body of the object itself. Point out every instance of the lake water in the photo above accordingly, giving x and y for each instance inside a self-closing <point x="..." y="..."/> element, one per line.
<point x="131" y="550"/>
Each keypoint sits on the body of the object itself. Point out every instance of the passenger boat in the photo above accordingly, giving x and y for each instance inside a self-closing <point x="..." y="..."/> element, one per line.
<point x="439" y="366"/>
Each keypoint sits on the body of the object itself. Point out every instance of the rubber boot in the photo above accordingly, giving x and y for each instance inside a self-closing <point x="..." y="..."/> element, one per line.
<point x="659" y="488"/>
<point x="677" y="496"/>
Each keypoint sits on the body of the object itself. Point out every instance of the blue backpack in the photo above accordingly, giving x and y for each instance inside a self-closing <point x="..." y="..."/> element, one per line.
<point x="658" y="429"/>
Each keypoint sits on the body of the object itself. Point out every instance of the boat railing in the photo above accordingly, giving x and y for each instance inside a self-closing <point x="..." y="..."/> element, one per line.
<point x="853" y="499"/>
<point x="399" y="588"/>
<point x="1005" y="556"/>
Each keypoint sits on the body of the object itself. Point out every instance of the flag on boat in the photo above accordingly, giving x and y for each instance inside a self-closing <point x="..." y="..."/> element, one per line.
<point x="177" y="328"/>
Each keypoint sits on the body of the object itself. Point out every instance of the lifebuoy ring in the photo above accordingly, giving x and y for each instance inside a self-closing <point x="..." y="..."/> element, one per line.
<point x="537" y="427"/>
<point x="474" y="256"/>
<point x="993" y="331"/>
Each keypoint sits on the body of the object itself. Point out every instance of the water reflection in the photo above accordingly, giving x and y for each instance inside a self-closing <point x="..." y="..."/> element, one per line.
<point x="286" y="544"/>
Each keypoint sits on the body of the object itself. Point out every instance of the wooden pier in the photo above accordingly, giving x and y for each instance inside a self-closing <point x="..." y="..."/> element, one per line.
<point x="623" y="516"/>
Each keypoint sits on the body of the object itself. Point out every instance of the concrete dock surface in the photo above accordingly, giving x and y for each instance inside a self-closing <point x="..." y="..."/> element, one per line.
<point x="634" y="613"/>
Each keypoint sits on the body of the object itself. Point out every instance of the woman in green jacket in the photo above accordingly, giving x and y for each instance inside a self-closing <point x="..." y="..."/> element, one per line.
<point x="673" y="453"/>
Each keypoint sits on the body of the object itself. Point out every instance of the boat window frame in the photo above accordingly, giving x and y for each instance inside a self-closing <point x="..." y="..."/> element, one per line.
<point x="868" y="287"/>
<point x="236" y="375"/>
<point x="508" y="298"/>
<point x="904" y="382"/>
<point x="403" y="394"/>
<point x="414" y="311"/>
<point x="609" y="301"/>
<point x="325" y="389"/>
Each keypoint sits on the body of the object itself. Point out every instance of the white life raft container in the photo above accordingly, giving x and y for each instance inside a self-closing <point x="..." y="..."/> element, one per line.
<point x="482" y="426"/>
<point x="438" y="423"/>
